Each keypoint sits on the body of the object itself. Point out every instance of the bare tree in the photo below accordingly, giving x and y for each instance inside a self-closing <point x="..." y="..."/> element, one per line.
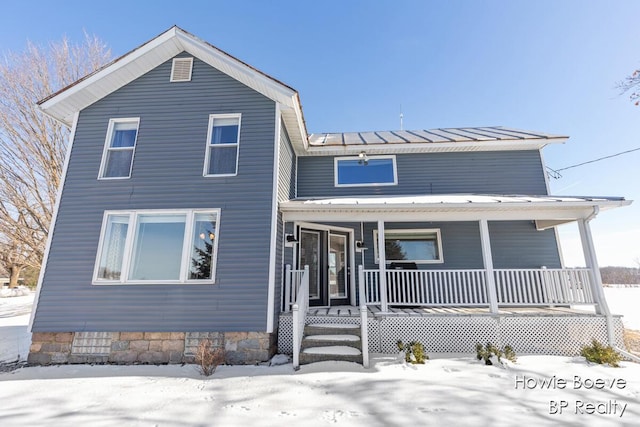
<point x="33" y="145"/>
<point x="632" y="84"/>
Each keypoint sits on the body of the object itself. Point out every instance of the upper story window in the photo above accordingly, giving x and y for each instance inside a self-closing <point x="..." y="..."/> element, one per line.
<point x="364" y="171"/>
<point x="138" y="247"/>
<point x="119" y="148"/>
<point x="223" y="141"/>
<point x="421" y="246"/>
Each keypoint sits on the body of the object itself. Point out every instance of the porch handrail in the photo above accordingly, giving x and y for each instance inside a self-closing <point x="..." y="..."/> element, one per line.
<point x="299" y="314"/>
<point x="292" y="281"/>
<point x="428" y="287"/>
<point x="364" y="321"/>
<point x="544" y="286"/>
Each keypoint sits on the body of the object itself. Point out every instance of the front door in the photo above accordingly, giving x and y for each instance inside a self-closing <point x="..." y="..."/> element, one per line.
<point x="327" y="254"/>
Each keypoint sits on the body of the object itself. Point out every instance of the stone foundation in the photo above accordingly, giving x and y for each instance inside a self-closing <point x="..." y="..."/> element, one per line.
<point x="241" y="348"/>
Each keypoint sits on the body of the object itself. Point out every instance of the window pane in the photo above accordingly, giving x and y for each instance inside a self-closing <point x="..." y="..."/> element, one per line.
<point x="113" y="247"/>
<point x="204" y="227"/>
<point x="222" y="160"/>
<point x="157" y="250"/>
<point x="374" y="171"/>
<point x="225" y="131"/>
<point x="419" y="247"/>
<point x="124" y="135"/>
<point x="118" y="163"/>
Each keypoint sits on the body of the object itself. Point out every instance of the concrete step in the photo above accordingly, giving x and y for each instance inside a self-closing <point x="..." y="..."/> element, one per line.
<point x="330" y="353"/>
<point x="331" y="329"/>
<point x="332" y="340"/>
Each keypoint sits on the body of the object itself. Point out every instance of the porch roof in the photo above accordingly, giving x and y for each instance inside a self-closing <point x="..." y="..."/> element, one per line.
<point x="546" y="210"/>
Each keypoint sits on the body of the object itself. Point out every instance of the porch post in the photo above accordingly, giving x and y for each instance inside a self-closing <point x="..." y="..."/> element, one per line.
<point x="382" y="267"/>
<point x="488" y="266"/>
<point x="592" y="264"/>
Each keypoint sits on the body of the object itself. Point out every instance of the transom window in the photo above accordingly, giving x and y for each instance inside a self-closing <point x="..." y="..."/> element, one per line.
<point x="119" y="148"/>
<point x="223" y="141"/>
<point x="364" y="171"/>
<point x="158" y="247"/>
<point x="421" y="246"/>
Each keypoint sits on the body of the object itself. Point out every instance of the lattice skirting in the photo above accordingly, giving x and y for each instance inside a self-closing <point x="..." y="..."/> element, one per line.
<point x="556" y="335"/>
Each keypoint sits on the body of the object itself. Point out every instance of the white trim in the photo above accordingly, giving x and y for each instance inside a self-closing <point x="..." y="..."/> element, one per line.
<point x="544" y="172"/>
<point x="173" y="67"/>
<point x="336" y="160"/>
<point x="150" y="55"/>
<point x="487" y="260"/>
<point x="107" y="146"/>
<point x="410" y="231"/>
<point x="212" y="118"/>
<point x="131" y="235"/>
<point x="271" y="286"/>
<point x="433" y="147"/>
<point x="54" y="219"/>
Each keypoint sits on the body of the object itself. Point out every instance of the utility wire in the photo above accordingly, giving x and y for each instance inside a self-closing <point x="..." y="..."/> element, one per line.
<point x="555" y="173"/>
<point x="597" y="160"/>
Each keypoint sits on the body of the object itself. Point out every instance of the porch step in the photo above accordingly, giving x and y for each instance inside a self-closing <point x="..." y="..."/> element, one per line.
<point x="331" y="341"/>
<point x="331" y="353"/>
<point x="331" y="329"/>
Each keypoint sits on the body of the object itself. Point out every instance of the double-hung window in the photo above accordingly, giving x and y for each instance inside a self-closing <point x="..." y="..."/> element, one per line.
<point x="421" y="246"/>
<point x="119" y="148"/>
<point x="138" y="247"/>
<point x="223" y="141"/>
<point x="365" y="171"/>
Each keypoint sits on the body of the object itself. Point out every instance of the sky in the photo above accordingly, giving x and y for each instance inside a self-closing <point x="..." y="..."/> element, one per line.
<point x="546" y="66"/>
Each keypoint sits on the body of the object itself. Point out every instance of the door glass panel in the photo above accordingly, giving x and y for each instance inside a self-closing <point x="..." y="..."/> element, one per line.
<point x="337" y="266"/>
<point x="310" y="255"/>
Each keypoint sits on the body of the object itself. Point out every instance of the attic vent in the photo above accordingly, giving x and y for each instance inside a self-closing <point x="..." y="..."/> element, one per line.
<point x="181" y="69"/>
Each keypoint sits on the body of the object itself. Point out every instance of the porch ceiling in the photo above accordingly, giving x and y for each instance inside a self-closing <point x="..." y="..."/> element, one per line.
<point x="449" y="207"/>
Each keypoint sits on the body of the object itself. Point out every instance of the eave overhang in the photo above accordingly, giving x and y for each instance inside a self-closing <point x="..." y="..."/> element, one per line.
<point x="546" y="210"/>
<point x="63" y="104"/>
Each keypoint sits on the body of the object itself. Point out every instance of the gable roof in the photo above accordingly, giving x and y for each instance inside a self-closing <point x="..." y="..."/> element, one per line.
<point x="63" y="104"/>
<point x="431" y="140"/>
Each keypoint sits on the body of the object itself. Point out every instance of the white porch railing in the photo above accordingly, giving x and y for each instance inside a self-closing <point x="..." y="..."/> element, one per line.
<point x="469" y="288"/>
<point x="299" y="310"/>
<point x="292" y="281"/>
<point x="543" y="286"/>
<point x="364" y="322"/>
<point x="428" y="287"/>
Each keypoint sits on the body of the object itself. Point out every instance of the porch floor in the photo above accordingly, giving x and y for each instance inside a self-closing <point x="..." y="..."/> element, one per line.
<point x="374" y="310"/>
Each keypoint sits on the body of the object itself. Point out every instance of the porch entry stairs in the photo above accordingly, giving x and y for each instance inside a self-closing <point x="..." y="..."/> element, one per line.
<point x="326" y="342"/>
<point x="320" y="341"/>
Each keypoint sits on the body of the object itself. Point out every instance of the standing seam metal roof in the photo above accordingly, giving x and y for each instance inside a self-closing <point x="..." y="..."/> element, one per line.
<point x="439" y="135"/>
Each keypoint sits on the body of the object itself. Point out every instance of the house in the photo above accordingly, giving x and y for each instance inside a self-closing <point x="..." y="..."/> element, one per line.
<point x="195" y="205"/>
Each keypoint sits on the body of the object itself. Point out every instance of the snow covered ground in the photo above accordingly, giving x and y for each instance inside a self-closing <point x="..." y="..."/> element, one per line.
<point x="625" y="301"/>
<point x="456" y="390"/>
<point x="15" y="338"/>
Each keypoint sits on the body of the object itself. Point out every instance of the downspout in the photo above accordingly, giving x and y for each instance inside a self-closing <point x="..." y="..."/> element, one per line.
<point x="601" y="297"/>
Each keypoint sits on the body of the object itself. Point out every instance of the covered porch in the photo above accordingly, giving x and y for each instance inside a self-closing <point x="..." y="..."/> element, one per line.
<point x="470" y="297"/>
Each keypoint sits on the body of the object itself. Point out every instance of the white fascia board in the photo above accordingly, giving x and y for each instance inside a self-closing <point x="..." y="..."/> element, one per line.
<point x="111" y="77"/>
<point x="237" y="70"/>
<point x="433" y="147"/>
<point x="568" y="211"/>
<point x="145" y="58"/>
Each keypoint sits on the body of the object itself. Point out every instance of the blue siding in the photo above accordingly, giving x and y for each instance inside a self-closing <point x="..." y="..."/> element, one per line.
<point x="167" y="174"/>
<point x="505" y="172"/>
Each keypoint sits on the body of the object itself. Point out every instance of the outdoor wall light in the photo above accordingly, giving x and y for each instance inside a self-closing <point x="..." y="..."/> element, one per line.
<point x="291" y="238"/>
<point x="360" y="246"/>
<point x="362" y="158"/>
